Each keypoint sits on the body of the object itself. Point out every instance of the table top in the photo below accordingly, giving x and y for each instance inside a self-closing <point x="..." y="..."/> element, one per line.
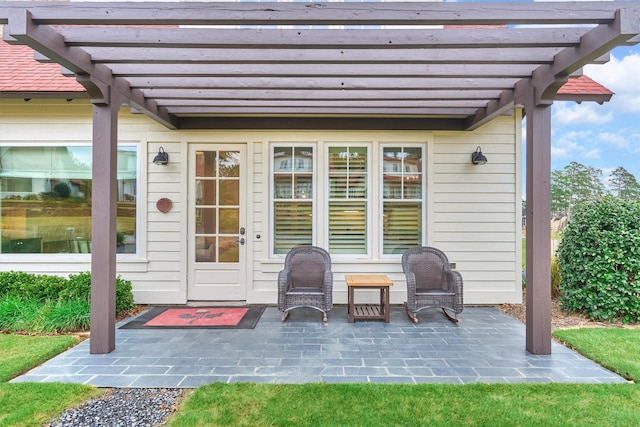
<point x="368" y="280"/>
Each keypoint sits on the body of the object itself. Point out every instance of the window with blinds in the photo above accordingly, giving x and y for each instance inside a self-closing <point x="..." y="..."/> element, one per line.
<point x="348" y="199"/>
<point x="293" y="197"/>
<point x="402" y="192"/>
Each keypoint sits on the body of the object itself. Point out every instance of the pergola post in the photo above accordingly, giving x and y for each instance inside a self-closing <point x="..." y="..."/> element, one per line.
<point x="103" y="227"/>
<point x="538" y="239"/>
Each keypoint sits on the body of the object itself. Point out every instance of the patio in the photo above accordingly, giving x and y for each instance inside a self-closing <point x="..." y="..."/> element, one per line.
<point x="486" y="346"/>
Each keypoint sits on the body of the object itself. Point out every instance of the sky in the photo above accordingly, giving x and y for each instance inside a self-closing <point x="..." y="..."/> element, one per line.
<point x="602" y="136"/>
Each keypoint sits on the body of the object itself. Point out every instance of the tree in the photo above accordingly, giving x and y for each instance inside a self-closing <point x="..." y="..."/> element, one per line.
<point x="623" y="184"/>
<point x="573" y="185"/>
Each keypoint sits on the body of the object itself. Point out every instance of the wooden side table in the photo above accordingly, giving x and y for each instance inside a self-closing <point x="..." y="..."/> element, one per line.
<point x="366" y="311"/>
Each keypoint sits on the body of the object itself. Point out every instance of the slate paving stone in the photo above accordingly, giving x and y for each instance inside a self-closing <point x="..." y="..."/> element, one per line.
<point x="486" y="346"/>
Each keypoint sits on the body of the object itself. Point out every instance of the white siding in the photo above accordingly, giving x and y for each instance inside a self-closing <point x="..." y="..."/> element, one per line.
<point x="473" y="211"/>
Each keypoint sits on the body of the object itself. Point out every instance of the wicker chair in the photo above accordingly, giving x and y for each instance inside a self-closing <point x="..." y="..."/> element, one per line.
<point x="306" y="281"/>
<point x="431" y="283"/>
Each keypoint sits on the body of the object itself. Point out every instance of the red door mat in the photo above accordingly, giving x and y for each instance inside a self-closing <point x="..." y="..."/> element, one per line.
<point x="197" y="317"/>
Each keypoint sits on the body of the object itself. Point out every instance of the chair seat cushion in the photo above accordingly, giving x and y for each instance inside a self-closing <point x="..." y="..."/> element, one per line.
<point x="425" y="291"/>
<point x="298" y="290"/>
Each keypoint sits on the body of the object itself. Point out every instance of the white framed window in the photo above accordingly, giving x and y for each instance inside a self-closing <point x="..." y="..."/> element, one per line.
<point x="293" y="195"/>
<point x="403" y="197"/>
<point x="46" y="192"/>
<point x="348" y="199"/>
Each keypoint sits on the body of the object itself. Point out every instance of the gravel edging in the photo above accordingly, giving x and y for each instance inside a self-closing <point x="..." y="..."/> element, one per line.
<point x="130" y="407"/>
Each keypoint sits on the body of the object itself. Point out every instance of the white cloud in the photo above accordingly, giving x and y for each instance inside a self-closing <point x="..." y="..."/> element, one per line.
<point x="622" y="77"/>
<point x="618" y="140"/>
<point x="569" y="144"/>
<point x="565" y="113"/>
<point x="592" y="154"/>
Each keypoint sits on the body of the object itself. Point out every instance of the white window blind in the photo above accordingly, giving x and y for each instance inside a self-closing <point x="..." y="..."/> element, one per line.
<point x="348" y="200"/>
<point x="402" y="178"/>
<point x="293" y="197"/>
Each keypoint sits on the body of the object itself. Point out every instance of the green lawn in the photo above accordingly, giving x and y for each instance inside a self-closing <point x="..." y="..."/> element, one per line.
<point x="32" y="404"/>
<point x="616" y="349"/>
<point x="363" y="404"/>
<point x="19" y="353"/>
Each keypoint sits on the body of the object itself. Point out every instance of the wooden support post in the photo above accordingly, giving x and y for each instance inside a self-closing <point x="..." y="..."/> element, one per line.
<point x="538" y="215"/>
<point x="103" y="228"/>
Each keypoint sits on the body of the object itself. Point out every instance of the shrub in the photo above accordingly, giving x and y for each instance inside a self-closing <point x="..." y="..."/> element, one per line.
<point x="599" y="260"/>
<point x="67" y="316"/>
<point x="555" y="278"/>
<point x="42" y="288"/>
<point x="18" y="314"/>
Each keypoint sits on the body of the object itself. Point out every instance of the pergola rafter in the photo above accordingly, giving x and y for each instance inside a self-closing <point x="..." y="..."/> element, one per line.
<point x="333" y="65"/>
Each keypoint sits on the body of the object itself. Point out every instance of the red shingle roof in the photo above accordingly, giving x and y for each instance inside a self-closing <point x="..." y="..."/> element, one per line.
<point x="583" y="85"/>
<point x="20" y="72"/>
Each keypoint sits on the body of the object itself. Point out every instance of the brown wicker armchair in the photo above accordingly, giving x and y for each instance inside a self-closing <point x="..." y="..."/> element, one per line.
<point x="306" y="281"/>
<point x="430" y="283"/>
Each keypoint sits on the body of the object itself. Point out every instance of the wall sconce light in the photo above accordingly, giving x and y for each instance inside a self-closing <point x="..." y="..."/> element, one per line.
<point x="162" y="158"/>
<point x="477" y="158"/>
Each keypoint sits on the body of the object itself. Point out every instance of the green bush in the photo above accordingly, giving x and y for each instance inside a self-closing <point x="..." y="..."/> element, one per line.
<point x="555" y="277"/>
<point x="19" y="314"/>
<point x="63" y="316"/>
<point x="599" y="260"/>
<point x="42" y="288"/>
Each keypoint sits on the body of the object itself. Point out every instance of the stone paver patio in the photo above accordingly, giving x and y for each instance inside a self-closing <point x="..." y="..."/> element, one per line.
<point x="486" y="346"/>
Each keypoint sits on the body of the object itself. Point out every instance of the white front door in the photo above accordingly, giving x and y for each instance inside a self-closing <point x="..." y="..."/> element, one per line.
<point x="217" y="223"/>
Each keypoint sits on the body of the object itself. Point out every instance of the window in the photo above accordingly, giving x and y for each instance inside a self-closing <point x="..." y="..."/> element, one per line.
<point x="402" y="198"/>
<point x="293" y="196"/>
<point x="46" y="199"/>
<point x="348" y="199"/>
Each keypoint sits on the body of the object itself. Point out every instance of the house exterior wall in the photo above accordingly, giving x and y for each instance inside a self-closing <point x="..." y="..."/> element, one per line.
<point x="473" y="213"/>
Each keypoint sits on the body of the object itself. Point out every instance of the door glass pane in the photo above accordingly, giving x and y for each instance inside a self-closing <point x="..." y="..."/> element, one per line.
<point x="229" y="220"/>
<point x="206" y="163"/>
<point x="229" y="249"/>
<point x="229" y="164"/>
<point x="205" y="192"/>
<point x="205" y="249"/>
<point x="205" y="220"/>
<point x="229" y="192"/>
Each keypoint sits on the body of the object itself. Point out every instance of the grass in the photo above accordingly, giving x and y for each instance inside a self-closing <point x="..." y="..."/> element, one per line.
<point x="33" y="404"/>
<point x="319" y="404"/>
<point x="435" y="404"/>
<point x="19" y="353"/>
<point x="408" y="405"/>
<point x="617" y="349"/>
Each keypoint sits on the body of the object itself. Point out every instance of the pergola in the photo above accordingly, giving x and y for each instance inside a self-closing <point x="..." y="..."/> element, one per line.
<point x="255" y="65"/>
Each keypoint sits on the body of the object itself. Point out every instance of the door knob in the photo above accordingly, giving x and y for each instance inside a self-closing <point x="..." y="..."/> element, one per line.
<point x="241" y="241"/>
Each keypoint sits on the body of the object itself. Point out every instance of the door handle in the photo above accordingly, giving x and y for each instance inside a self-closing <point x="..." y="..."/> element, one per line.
<point x="241" y="241"/>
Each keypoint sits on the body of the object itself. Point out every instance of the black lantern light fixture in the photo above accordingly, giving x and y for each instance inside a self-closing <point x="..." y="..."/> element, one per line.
<point x="477" y="158"/>
<point x="161" y="158"/>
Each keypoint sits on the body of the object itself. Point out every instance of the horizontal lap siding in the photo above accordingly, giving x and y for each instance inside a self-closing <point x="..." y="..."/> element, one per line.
<point x="474" y="217"/>
<point x="157" y="273"/>
<point x="476" y="209"/>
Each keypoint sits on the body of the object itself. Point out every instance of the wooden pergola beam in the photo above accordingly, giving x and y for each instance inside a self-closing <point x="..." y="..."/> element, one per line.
<point x="273" y="13"/>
